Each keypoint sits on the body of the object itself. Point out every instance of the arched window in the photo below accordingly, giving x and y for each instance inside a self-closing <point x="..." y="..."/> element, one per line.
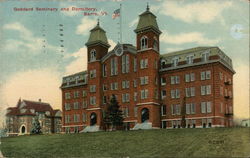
<point x="163" y="63"/>
<point x="93" y="55"/>
<point x="144" y="115"/>
<point x="93" y="119"/>
<point x="144" y="42"/>
<point x="155" y="44"/>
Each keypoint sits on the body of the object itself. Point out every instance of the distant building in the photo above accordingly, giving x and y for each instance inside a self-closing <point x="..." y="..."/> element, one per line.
<point x="155" y="90"/>
<point x="19" y="119"/>
<point x="245" y="123"/>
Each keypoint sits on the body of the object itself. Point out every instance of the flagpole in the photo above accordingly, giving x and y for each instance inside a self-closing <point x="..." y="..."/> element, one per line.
<point x="121" y="23"/>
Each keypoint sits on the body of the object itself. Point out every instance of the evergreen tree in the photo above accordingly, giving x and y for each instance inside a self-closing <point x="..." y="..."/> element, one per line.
<point x="113" y="116"/>
<point x="36" y="127"/>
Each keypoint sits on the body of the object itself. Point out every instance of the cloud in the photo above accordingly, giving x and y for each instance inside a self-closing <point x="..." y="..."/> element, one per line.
<point x="80" y="59"/>
<point x="85" y="26"/>
<point x="200" y="11"/>
<point x="27" y="43"/>
<point x="31" y="85"/>
<point x="190" y="37"/>
<point x="132" y="23"/>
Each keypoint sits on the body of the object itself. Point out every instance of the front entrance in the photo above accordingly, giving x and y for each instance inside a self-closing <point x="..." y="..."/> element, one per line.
<point x="23" y="129"/>
<point x="93" y="119"/>
<point x="144" y="115"/>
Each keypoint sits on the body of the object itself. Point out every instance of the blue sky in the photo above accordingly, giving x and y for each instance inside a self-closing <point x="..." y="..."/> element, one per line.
<point x="29" y="73"/>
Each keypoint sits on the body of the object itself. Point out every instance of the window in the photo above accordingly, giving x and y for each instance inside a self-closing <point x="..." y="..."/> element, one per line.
<point x="135" y="65"/>
<point x="205" y="56"/>
<point x="113" y="66"/>
<point x="125" y="98"/>
<point x="221" y="107"/>
<point x="104" y="87"/>
<point x="76" y="118"/>
<point x="187" y="108"/>
<point x="126" y="112"/>
<point x="67" y="106"/>
<point x="175" y="93"/>
<point x="135" y="83"/>
<point x="175" y="79"/>
<point x="155" y="44"/>
<point x="125" y="84"/>
<point x="84" y="117"/>
<point x="206" y="90"/>
<point x="163" y="94"/>
<point x="205" y="75"/>
<point x="192" y="108"/>
<point x="92" y="88"/>
<point x="92" y="73"/>
<point x="84" y="93"/>
<point x="135" y="111"/>
<point x="144" y="42"/>
<point x="76" y="105"/>
<point x="67" y="118"/>
<point x="190" y="59"/>
<point x="104" y="99"/>
<point x="176" y="109"/>
<point x="84" y="104"/>
<point x="175" y="61"/>
<point x="125" y="63"/>
<point x="144" y="80"/>
<point x="76" y="94"/>
<point x="114" y="86"/>
<point x="135" y="96"/>
<point x="206" y="107"/>
<point x="104" y="70"/>
<point x="93" y="55"/>
<point x="144" y="63"/>
<point x="187" y="77"/>
<point x="92" y="100"/>
<point x="144" y="94"/>
<point x="192" y="76"/>
<point x="163" y="110"/>
<point x="221" y="76"/>
<point x="163" y="81"/>
<point x="67" y="95"/>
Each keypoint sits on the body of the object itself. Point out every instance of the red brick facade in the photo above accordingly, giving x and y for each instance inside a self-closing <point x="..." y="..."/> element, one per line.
<point x="146" y="82"/>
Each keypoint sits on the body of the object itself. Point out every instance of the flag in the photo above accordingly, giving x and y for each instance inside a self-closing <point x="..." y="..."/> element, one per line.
<point x="116" y="13"/>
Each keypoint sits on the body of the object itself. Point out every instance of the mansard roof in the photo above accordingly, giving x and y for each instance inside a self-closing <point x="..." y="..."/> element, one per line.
<point x="196" y="53"/>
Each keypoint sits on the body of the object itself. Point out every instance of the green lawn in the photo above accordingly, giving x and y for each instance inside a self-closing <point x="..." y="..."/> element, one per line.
<point x="213" y="142"/>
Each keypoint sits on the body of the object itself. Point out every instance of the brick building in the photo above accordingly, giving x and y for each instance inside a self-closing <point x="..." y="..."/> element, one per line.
<point x="19" y="119"/>
<point x="154" y="90"/>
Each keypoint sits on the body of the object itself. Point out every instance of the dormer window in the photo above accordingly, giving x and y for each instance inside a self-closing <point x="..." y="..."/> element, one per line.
<point x="205" y="56"/>
<point x="155" y="44"/>
<point x="163" y="63"/>
<point x="175" y="61"/>
<point x="190" y="59"/>
<point x="93" y="55"/>
<point x="144" y="42"/>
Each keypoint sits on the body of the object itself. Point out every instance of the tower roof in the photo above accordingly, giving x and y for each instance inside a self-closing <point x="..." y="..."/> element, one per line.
<point x="97" y="35"/>
<point x="147" y="20"/>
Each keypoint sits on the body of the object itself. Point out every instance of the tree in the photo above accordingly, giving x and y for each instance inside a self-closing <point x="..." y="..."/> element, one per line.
<point x="113" y="115"/>
<point x="36" y="127"/>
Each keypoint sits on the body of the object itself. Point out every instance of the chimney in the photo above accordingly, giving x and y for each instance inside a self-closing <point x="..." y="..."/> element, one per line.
<point x="40" y="100"/>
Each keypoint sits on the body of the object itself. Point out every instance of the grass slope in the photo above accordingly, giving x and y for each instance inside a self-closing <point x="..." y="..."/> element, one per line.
<point x="213" y="142"/>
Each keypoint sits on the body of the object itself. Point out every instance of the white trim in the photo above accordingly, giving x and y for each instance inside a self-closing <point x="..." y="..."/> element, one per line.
<point x="148" y="103"/>
<point x="93" y="109"/>
<point x="190" y="118"/>
<point x="130" y="121"/>
<point x="145" y="49"/>
<point x="74" y="125"/>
